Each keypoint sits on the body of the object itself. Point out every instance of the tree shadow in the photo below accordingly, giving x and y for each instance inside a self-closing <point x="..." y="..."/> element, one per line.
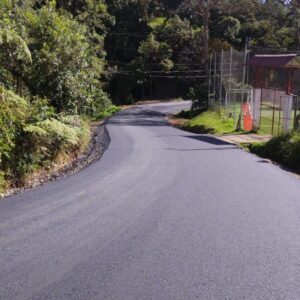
<point x="208" y="139"/>
<point x="204" y="149"/>
<point x="138" y="117"/>
<point x="263" y="161"/>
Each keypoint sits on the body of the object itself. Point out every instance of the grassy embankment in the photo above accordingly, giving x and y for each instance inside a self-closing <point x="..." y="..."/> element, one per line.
<point x="214" y="122"/>
<point x="283" y="149"/>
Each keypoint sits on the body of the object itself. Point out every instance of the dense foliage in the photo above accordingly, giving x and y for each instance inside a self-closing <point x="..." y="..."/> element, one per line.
<point x="33" y="136"/>
<point x="80" y="53"/>
<point x="52" y="68"/>
<point x="158" y="49"/>
<point x="64" y="58"/>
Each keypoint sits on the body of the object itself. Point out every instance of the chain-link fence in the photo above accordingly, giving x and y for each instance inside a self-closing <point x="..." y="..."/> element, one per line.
<point x="270" y="106"/>
<point x="227" y="77"/>
<point x="275" y="112"/>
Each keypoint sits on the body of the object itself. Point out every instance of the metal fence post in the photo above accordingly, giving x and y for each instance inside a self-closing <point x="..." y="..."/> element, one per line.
<point x="215" y="74"/>
<point x="221" y="75"/>
<point x="209" y="81"/>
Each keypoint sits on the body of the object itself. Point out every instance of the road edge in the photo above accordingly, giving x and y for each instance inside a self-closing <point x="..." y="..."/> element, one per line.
<point x="99" y="143"/>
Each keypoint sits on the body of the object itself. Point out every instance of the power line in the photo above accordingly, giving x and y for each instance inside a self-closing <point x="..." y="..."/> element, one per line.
<point x="175" y="64"/>
<point x="183" y="52"/>
<point x="162" y="72"/>
<point x="179" y="71"/>
<point x="158" y="72"/>
<point x="179" y="77"/>
<point x="161" y="76"/>
<point x="129" y="33"/>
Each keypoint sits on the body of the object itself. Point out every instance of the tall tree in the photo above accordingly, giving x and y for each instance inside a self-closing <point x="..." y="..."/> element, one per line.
<point x="202" y="9"/>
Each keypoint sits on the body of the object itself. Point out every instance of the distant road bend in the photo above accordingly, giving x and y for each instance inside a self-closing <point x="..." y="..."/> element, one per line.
<point x="165" y="214"/>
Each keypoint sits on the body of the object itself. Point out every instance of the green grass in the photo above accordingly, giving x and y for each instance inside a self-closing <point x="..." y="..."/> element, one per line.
<point x="266" y="121"/>
<point x="107" y="113"/>
<point x="210" y="122"/>
<point x="284" y="149"/>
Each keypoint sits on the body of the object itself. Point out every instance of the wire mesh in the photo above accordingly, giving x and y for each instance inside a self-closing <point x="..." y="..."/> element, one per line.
<point x="228" y="74"/>
<point x="233" y="84"/>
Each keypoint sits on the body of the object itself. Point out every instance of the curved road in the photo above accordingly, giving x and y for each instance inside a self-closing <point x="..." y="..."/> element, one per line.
<point x="165" y="214"/>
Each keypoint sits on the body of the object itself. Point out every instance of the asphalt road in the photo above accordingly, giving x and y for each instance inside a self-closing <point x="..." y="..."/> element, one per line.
<point x="165" y="214"/>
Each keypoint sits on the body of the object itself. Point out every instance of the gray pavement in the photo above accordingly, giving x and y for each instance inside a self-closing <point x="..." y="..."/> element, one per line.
<point x="165" y="214"/>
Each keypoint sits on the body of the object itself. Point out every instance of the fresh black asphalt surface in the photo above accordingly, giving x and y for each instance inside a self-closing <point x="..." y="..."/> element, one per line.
<point x="165" y="214"/>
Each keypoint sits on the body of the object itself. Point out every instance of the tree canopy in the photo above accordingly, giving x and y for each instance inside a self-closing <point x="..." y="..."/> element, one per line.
<point x="80" y="53"/>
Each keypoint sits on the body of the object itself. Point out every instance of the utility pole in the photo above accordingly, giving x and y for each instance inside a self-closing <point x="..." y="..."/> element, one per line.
<point x="221" y="76"/>
<point x="215" y="74"/>
<point x="229" y="81"/>
<point x="209" y="81"/>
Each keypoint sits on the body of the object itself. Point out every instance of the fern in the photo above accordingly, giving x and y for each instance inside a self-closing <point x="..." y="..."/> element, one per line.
<point x="8" y="36"/>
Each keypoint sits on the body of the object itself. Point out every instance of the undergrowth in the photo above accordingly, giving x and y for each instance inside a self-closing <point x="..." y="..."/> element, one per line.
<point x="33" y="136"/>
<point x="284" y="149"/>
<point x="108" y="112"/>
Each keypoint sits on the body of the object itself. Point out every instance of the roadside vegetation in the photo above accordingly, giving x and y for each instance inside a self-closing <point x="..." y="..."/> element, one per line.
<point x="51" y="84"/>
<point x="283" y="149"/>
<point x="33" y="137"/>
<point x="112" y="109"/>
<point x="214" y="122"/>
<point x="66" y="63"/>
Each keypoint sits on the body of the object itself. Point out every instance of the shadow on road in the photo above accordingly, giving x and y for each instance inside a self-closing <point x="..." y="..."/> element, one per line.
<point x="208" y="139"/>
<point x="138" y="117"/>
<point x="204" y="149"/>
<point x="263" y="161"/>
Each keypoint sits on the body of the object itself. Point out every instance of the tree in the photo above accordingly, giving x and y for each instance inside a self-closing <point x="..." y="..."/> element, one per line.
<point x="228" y="29"/>
<point x="202" y="9"/>
<point x="176" y="32"/>
<point x="66" y="67"/>
<point x="155" y="55"/>
<point x="294" y="7"/>
<point x="14" y="51"/>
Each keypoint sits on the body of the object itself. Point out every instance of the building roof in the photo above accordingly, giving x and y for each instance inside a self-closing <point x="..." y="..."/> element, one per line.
<point x="288" y="61"/>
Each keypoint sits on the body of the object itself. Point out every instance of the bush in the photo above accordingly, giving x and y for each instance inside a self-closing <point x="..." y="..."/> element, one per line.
<point x="13" y="114"/>
<point x="113" y="109"/>
<point x="3" y="183"/>
<point x="284" y="149"/>
<point x="51" y="137"/>
<point x="108" y="112"/>
<point x="33" y="136"/>
<point x="66" y="66"/>
<point x="186" y="114"/>
<point x="199" y="96"/>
